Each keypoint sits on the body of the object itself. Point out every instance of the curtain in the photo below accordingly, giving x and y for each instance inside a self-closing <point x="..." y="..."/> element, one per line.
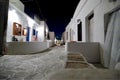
<point x="108" y="41"/>
<point x="115" y="51"/>
<point x="112" y="41"/>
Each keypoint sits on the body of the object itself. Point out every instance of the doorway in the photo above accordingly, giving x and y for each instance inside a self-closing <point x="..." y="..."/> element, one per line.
<point x="91" y="28"/>
<point x="79" y="31"/>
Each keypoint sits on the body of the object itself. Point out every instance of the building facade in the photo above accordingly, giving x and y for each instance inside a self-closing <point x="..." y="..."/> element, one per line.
<point x="90" y="23"/>
<point x="23" y="27"/>
<point x="23" y="34"/>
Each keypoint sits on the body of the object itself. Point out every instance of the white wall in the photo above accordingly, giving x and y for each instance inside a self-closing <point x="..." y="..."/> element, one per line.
<point x="40" y="30"/>
<point x="37" y="19"/>
<point x="68" y="32"/>
<point x="89" y="50"/>
<point x="43" y="31"/>
<point x="64" y="36"/>
<point x="46" y="31"/>
<point x="15" y="15"/>
<point x="49" y="43"/>
<point x="99" y="8"/>
<point x="52" y="36"/>
<point x="18" y="4"/>
<point x="21" y="48"/>
<point x="83" y="10"/>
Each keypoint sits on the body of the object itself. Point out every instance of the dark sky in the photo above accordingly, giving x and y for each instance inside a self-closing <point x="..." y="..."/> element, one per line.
<point x="56" y="13"/>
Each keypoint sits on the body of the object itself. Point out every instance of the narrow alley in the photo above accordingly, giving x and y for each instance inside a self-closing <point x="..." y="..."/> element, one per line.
<point x="42" y="40"/>
<point x="52" y="64"/>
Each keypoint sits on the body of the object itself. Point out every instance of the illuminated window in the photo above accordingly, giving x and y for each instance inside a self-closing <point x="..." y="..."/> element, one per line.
<point x="17" y="29"/>
<point x="24" y="31"/>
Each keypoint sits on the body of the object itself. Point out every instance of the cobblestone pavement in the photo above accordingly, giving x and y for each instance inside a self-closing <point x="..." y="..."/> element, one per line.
<point x="32" y="67"/>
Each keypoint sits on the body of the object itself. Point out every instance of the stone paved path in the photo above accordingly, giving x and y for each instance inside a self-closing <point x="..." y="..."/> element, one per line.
<point x="32" y="67"/>
<point x="77" y="68"/>
<point x="51" y="65"/>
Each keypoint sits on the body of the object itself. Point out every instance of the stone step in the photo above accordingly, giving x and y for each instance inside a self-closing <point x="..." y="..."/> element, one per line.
<point x="75" y="57"/>
<point x="76" y="64"/>
<point x="75" y="54"/>
<point x="85" y="74"/>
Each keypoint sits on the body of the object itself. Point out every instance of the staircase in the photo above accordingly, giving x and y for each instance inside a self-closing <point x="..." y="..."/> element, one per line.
<point x="77" y="68"/>
<point x="76" y="61"/>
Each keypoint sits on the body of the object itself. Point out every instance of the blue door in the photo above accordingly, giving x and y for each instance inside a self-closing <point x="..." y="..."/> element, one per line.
<point x="28" y="33"/>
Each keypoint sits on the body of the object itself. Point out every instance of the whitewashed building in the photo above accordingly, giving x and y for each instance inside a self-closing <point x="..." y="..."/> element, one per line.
<point x="64" y="37"/>
<point x="98" y="21"/>
<point x="24" y="35"/>
<point x="52" y="36"/>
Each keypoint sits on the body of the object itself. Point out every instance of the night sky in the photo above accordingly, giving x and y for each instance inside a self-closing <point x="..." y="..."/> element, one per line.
<point x="56" y="13"/>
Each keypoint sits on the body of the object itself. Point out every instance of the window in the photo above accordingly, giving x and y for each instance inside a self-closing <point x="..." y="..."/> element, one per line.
<point x="34" y="32"/>
<point x="24" y="32"/>
<point x="17" y="29"/>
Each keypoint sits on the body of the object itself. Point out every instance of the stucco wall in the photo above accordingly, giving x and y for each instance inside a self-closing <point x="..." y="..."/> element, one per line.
<point x="49" y="43"/>
<point x="18" y="4"/>
<point x="41" y="33"/>
<point x="84" y="9"/>
<point x="15" y="15"/>
<point x="99" y="8"/>
<point x="15" y="48"/>
<point x="52" y="36"/>
<point x="89" y="50"/>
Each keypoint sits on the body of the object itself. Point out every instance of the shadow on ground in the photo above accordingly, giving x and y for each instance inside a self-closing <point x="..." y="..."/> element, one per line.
<point x="47" y="50"/>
